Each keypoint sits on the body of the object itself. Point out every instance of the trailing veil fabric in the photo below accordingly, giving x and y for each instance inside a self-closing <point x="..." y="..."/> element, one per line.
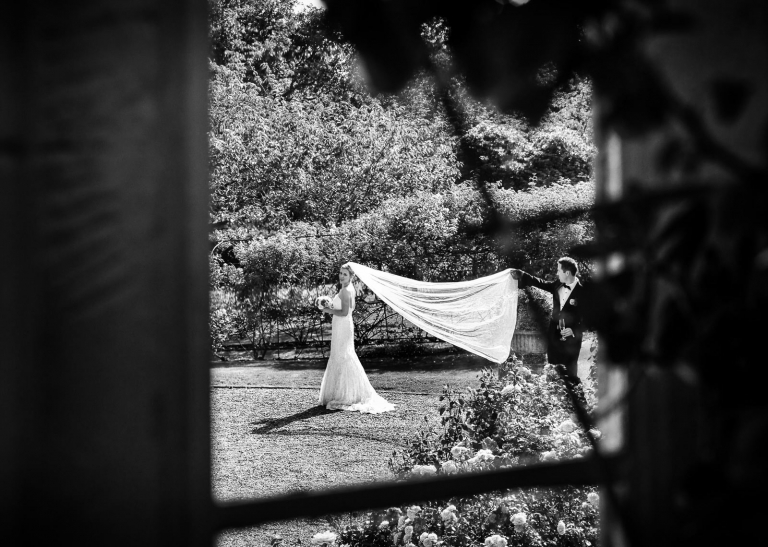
<point x="477" y="315"/>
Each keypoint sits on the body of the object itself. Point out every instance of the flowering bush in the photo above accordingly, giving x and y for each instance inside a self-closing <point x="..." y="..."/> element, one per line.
<point x="513" y="418"/>
<point x="531" y="518"/>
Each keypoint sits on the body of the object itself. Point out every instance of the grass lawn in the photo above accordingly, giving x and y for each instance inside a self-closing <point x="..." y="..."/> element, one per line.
<point x="272" y="438"/>
<point x="269" y="436"/>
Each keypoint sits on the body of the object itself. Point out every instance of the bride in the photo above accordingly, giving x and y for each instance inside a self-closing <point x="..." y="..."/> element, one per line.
<point x="345" y="385"/>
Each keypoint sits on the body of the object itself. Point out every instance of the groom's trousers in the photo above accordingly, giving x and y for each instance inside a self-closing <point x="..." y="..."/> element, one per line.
<point x="565" y="352"/>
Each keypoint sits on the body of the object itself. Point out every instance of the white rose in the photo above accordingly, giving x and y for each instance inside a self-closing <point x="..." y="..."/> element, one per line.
<point x="322" y="538"/>
<point x="384" y="525"/>
<point x="447" y="514"/>
<point x="428" y="540"/>
<point x="458" y="451"/>
<point x="408" y="531"/>
<point x="548" y="456"/>
<point x="423" y="470"/>
<point x="561" y="528"/>
<point x="413" y="511"/>
<point x="593" y="498"/>
<point x="495" y="541"/>
<point x="519" y="519"/>
<point x="484" y="455"/>
<point x="509" y="388"/>
<point x="400" y="522"/>
<point x="567" y="426"/>
<point x="450" y="467"/>
<point x="473" y="461"/>
<point x="596" y="434"/>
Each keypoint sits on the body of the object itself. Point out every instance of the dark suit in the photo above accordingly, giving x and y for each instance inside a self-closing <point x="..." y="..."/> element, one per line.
<point x="561" y="352"/>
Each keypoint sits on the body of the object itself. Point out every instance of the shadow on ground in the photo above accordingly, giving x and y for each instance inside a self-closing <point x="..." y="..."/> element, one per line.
<point x="270" y="424"/>
<point x="392" y="439"/>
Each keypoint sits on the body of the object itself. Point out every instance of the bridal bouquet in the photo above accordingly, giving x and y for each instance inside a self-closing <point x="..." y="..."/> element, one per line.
<point x="323" y="302"/>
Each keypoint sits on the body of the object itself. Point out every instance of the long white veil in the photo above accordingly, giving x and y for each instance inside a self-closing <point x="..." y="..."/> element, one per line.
<point x="478" y="315"/>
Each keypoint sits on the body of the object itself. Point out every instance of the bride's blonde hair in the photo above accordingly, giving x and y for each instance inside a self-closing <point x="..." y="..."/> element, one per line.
<point x="349" y="270"/>
<point x="351" y="275"/>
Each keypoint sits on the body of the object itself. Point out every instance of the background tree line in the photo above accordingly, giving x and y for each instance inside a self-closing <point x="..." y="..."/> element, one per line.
<point x="308" y="170"/>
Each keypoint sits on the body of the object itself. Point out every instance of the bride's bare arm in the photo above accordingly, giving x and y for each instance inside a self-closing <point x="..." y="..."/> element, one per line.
<point x="345" y="305"/>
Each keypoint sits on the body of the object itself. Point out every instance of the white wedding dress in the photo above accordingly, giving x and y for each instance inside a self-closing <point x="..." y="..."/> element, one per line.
<point x="345" y="385"/>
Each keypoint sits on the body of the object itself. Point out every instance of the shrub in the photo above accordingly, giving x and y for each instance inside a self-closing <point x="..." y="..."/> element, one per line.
<point x="515" y="412"/>
<point x="227" y="318"/>
<point x="519" y="155"/>
<point x="526" y="300"/>
<point x="529" y="518"/>
<point x="423" y="236"/>
<point x="513" y="418"/>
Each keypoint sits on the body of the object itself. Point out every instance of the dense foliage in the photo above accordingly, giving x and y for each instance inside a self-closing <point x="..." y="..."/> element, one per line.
<point x="317" y="160"/>
<point x="559" y="149"/>
<point x="308" y="171"/>
<point x="522" y="416"/>
<point x="422" y="236"/>
<point x="281" y="49"/>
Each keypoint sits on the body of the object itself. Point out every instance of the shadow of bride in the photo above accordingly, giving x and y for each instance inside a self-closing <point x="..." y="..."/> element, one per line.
<point x="270" y="424"/>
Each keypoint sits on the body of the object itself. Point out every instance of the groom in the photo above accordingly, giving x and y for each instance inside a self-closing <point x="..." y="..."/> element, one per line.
<point x="566" y="305"/>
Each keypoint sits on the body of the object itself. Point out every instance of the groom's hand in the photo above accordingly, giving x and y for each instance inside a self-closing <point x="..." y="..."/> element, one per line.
<point x="517" y="274"/>
<point x="566" y="333"/>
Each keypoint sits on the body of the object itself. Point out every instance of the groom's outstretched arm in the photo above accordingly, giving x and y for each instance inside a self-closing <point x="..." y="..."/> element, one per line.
<point x="527" y="280"/>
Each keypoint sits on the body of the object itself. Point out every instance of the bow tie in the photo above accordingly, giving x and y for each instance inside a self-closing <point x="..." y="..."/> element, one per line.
<point x="566" y="287"/>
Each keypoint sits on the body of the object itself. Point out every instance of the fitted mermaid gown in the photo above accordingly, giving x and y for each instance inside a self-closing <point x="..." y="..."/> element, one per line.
<point x="345" y="385"/>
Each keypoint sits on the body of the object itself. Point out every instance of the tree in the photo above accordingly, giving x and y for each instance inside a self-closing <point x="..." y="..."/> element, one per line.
<point x="282" y="50"/>
<point x="275" y="161"/>
<point x="519" y="155"/>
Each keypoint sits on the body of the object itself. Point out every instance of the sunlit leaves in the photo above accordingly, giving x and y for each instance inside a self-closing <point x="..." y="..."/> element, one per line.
<point x="274" y="161"/>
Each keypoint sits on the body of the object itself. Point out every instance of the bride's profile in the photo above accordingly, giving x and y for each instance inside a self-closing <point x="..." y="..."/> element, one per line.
<point x="345" y="385"/>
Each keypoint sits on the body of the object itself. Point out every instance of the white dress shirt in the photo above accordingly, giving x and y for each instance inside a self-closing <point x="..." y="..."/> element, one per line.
<point x="564" y="293"/>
